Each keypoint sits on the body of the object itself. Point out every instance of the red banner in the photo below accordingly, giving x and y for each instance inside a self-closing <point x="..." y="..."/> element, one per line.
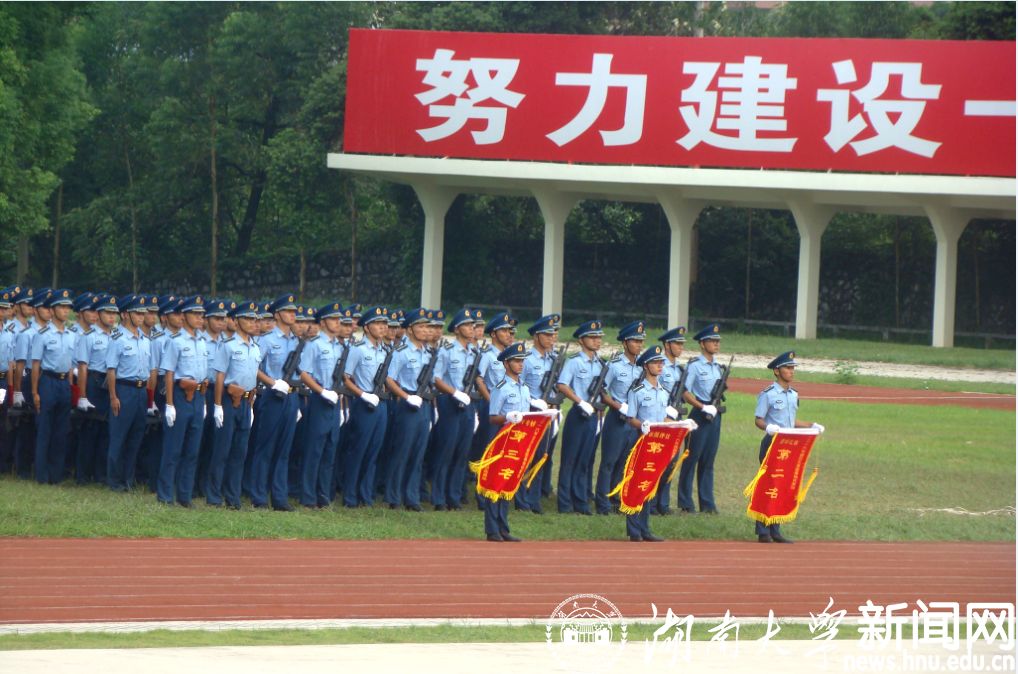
<point x="895" y="106"/>
<point x="503" y="466"/>
<point x="647" y="462"/>
<point x="777" y="490"/>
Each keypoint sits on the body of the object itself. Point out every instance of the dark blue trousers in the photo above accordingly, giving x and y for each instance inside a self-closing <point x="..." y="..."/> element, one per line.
<point x="208" y="441"/>
<point x="297" y="448"/>
<point x="616" y="441"/>
<point x="52" y="425"/>
<point x="94" y="436"/>
<point x="703" y="448"/>
<point x="252" y="439"/>
<point x="410" y="430"/>
<point x="453" y="433"/>
<point x="579" y="436"/>
<point x="321" y="437"/>
<point x="761" y="528"/>
<point x="276" y="422"/>
<point x="529" y="498"/>
<point x="24" y="435"/>
<point x="226" y="467"/>
<point x="639" y="524"/>
<point x="496" y="516"/>
<point x="181" y="442"/>
<point x="126" y="432"/>
<point x="367" y="429"/>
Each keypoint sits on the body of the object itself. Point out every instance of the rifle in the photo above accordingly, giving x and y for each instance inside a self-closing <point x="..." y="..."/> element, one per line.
<point x="717" y="394"/>
<point x="290" y="366"/>
<point x="338" y="383"/>
<point x="470" y="377"/>
<point x="675" y="398"/>
<point x="378" y="383"/>
<point x="16" y="416"/>
<point x="426" y="379"/>
<point x="597" y="386"/>
<point x="549" y="383"/>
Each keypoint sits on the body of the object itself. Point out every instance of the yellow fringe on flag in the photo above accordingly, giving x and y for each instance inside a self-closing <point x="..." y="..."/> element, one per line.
<point x="533" y="471"/>
<point x="748" y="491"/>
<point x="618" y="488"/>
<point x="478" y="466"/>
<point x="809" y="483"/>
<point x="676" y="468"/>
<point x="626" y="510"/>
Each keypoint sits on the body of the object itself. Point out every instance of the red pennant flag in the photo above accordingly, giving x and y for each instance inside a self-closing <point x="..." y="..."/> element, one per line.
<point x="777" y="490"/>
<point x="647" y="462"/>
<point x="503" y="466"/>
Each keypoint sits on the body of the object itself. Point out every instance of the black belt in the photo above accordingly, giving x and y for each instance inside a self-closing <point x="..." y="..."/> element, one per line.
<point x="99" y="376"/>
<point x="133" y="383"/>
<point x="55" y="375"/>
<point x="3" y="375"/>
<point x="409" y="392"/>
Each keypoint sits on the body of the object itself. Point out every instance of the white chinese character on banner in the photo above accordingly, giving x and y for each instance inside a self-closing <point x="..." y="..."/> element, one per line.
<point x="597" y="81"/>
<point x="893" y="120"/>
<point x="752" y="100"/>
<point x="448" y="77"/>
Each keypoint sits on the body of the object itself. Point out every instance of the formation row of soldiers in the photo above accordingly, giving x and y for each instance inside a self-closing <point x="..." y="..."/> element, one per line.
<point x="277" y="401"/>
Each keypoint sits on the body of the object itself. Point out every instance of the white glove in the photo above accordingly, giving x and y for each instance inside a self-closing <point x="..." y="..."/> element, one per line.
<point x="170" y="413"/>
<point x="538" y="404"/>
<point x="252" y="416"/>
<point x="671" y="412"/>
<point x="217" y="415"/>
<point x="477" y="422"/>
<point x="710" y="410"/>
<point x="587" y="408"/>
<point x="3" y="395"/>
<point x="330" y="395"/>
<point x="153" y="411"/>
<point x="204" y="412"/>
<point x="369" y="398"/>
<point x="772" y="429"/>
<point x="514" y="417"/>
<point x="819" y="428"/>
<point x="83" y="404"/>
<point x="299" y="415"/>
<point x="624" y="409"/>
<point x="645" y="427"/>
<point x="414" y="401"/>
<point x="461" y="397"/>
<point x="281" y="386"/>
<point x="19" y="399"/>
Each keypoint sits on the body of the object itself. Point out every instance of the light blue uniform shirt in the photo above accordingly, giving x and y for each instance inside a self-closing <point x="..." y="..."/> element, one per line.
<point x="777" y="405"/>
<point x="509" y="396"/>
<point x="319" y="358"/>
<point x="23" y="340"/>
<point x="212" y="345"/>
<point x="91" y="350"/>
<point x="130" y="356"/>
<point x="671" y="375"/>
<point x="489" y="359"/>
<point x="620" y="377"/>
<point x="6" y="347"/>
<point x="579" y="373"/>
<point x="363" y="362"/>
<point x="406" y="365"/>
<point x="159" y="340"/>
<point x="534" y="367"/>
<point x="648" y="403"/>
<point x="702" y="377"/>
<point x="453" y="361"/>
<point x="54" y="349"/>
<point x="239" y="361"/>
<point x="186" y="357"/>
<point x="276" y="348"/>
<point x="494" y="375"/>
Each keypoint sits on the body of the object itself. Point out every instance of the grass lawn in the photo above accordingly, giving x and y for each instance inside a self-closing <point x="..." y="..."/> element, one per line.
<point x="880" y="465"/>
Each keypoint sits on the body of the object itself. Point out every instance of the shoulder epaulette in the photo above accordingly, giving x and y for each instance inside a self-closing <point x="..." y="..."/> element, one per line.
<point x="401" y="347"/>
<point x="502" y="383"/>
<point x="10" y="328"/>
<point x="448" y="345"/>
<point x="116" y="335"/>
<point x="638" y="387"/>
<point x="616" y="359"/>
<point x="27" y="328"/>
<point x="486" y="348"/>
<point x="359" y="342"/>
<point x="227" y="341"/>
<point x="44" y="330"/>
<point x="89" y="332"/>
<point x="157" y="334"/>
<point x="574" y="355"/>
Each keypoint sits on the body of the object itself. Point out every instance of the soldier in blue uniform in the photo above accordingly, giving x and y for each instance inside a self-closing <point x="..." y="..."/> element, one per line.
<point x="645" y="405"/>
<point x="52" y="360"/>
<point x="579" y="432"/>
<point x="90" y="356"/>
<point x="184" y="363"/>
<point x="538" y="362"/>
<point x="367" y="419"/>
<point x="382" y="460"/>
<point x="510" y="400"/>
<point x="455" y="426"/>
<point x="616" y="436"/>
<point x="214" y="332"/>
<point x="6" y="364"/>
<point x="300" y="329"/>
<point x="236" y="372"/>
<point x="130" y="375"/>
<point x="25" y="437"/>
<point x="412" y="419"/>
<point x="673" y="343"/>
<point x="776" y="409"/>
<point x="702" y="373"/>
<point x="277" y="410"/>
<point x="321" y="434"/>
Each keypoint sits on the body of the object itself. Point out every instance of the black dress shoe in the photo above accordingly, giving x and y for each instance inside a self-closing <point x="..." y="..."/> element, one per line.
<point x="712" y="511"/>
<point x="186" y="504"/>
<point x="495" y="538"/>
<point x="636" y="539"/>
<point x="763" y="538"/>
<point x="687" y="511"/>
<point x="233" y="506"/>
<point x="651" y="538"/>
<point x="778" y="538"/>
<point x="584" y="512"/>
<point x="415" y="508"/>
<point x="393" y="506"/>
<point x="506" y="536"/>
<point x="604" y="512"/>
<point x="456" y="507"/>
<point x="439" y="508"/>
<point x="261" y="506"/>
<point x="282" y="507"/>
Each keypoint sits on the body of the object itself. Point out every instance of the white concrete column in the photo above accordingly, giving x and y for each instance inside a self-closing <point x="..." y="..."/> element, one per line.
<point x="435" y="201"/>
<point x="811" y="220"/>
<point x="555" y="208"/>
<point x="948" y="224"/>
<point x="682" y="214"/>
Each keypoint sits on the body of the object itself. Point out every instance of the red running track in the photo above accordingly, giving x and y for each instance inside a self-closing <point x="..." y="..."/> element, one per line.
<point x="61" y="580"/>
